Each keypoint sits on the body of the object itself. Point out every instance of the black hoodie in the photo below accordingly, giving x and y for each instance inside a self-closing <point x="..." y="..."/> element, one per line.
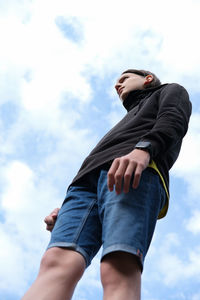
<point x="159" y="115"/>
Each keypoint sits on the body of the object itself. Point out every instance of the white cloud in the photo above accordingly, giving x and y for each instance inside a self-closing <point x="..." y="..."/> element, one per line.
<point x="20" y="179"/>
<point x="189" y="160"/>
<point x="12" y="259"/>
<point x="193" y="224"/>
<point x="25" y="196"/>
<point x="48" y="78"/>
<point x="174" y="262"/>
<point x="21" y="198"/>
<point x="188" y="163"/>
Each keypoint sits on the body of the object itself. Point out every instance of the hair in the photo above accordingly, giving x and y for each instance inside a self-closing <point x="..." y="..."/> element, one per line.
<point x="154" y="83"/>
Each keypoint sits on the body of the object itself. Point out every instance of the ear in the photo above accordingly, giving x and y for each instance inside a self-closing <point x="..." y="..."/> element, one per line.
<point x="148" y="79"/>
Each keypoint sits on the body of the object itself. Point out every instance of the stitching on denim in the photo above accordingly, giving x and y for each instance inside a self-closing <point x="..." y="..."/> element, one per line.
<point x="84" y="221"/>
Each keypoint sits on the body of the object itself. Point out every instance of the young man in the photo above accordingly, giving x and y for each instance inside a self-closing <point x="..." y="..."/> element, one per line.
<point x="118" y="194"/>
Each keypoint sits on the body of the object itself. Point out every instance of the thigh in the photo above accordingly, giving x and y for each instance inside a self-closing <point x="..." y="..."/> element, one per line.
<point x="78" y="227"/>
<point x="128" y="220"/>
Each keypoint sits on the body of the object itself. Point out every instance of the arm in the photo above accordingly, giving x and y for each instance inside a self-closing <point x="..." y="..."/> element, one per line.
<point x="172" y="119"/>
<point x="174" y="110"/>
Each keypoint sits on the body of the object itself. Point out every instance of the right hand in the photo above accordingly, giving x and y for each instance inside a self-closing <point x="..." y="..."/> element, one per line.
<point x="50" y="220"/>
<point x="124" y="167"/>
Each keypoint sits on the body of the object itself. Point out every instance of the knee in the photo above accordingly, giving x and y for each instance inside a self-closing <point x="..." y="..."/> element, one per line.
<point x="50" y="260"/>
<point x="109" y="274"/>
<point x="64" y="261"/>
<point x="118" y="269"/>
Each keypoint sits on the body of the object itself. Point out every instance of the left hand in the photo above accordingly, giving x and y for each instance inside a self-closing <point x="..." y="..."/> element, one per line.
<point x="123" y="168"/>
<point x="50" y="220"/>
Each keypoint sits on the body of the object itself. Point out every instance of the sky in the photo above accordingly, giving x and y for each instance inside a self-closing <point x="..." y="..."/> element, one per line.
<point x="59" y="61"/>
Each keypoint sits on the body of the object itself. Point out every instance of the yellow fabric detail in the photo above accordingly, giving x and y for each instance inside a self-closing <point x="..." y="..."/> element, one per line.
<point x="163" y="211"/>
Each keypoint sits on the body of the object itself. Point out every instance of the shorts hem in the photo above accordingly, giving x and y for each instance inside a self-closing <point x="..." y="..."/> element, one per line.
<point x="125" y="248"/>
<point x="71" y="246"/>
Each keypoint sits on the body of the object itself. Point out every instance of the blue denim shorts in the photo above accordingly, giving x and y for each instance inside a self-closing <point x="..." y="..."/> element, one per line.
<point x="91" y="216"/>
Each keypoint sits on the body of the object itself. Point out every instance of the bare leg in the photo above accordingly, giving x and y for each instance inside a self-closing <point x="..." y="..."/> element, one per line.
<point x="121" y="276"/>
<point x="60" y="270"/>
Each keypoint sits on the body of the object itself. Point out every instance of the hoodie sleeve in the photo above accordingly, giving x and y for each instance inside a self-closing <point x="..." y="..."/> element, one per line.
<point x="174" y="110"/>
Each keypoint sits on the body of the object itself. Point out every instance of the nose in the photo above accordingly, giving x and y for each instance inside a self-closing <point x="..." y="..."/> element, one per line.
<point x="117" y="86"/>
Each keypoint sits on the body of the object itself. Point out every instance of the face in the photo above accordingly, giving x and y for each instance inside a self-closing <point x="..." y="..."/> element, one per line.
<point x="129" y="82"/>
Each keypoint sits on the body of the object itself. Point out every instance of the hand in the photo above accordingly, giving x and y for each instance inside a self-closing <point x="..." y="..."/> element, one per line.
<point x="50" y="220"/>
<point x="123" y="168"/>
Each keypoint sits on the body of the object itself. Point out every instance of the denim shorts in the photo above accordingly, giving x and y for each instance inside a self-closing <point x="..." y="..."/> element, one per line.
<point x="91" y="216"/>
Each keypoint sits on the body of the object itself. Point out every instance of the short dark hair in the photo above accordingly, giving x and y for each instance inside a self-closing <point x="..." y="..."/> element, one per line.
<point x="155" y="82"/>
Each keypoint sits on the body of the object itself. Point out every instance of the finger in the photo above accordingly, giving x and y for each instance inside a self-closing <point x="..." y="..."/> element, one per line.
<point x="49" y="220"/>
<point x="111" y="173"/>
<point x="119" y="175"/>
<point x="49" y="227"/>
<point x="46" y="219"/>
<point x="52" y="216"/>
<point x="56" y="210"/>
<point x="137" y="176"/>
<point x="127" y="176"/>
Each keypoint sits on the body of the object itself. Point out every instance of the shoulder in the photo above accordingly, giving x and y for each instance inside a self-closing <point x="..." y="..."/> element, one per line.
<point x="174" y="91"/>
<point x="170" y="92"/>
<point x="175" y="95"/>
<point x="173" y="87"/>
<point x="167" y="88"/>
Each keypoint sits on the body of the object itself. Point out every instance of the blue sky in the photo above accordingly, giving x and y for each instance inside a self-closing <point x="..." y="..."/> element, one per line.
<point x="59" y="61"/>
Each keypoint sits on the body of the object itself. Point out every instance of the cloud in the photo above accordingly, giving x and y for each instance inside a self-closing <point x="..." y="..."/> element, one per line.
<point x="20" y="226"/>
<point x="52" y="112"/>
<point x="193" y="224"/>
<point x="188" y="163"/>
<point x="174" y="262"/>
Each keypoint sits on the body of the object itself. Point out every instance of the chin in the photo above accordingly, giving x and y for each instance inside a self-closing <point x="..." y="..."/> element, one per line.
<point x="123" y="96"/>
